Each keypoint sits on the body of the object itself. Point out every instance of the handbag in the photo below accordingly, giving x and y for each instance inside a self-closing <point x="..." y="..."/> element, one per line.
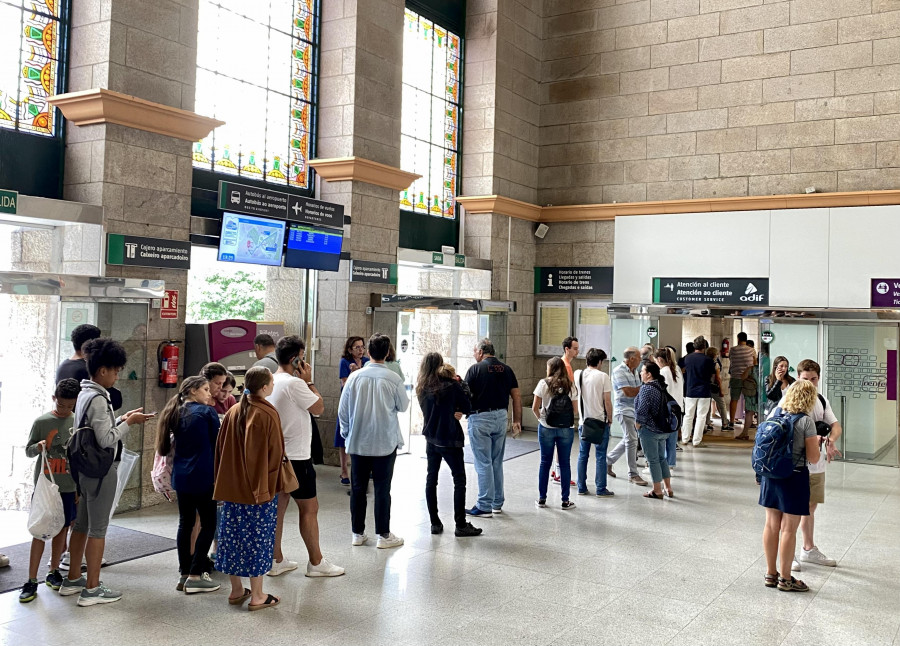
<point x="592" y="430"/>
<point x="288" y="477"/>
<point x="46" y="518"/>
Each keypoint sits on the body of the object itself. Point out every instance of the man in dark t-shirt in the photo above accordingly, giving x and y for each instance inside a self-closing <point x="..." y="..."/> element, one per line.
<point x="492" y="383"/>
<point x="699" y="370"/>
<point x="75" y="366"/>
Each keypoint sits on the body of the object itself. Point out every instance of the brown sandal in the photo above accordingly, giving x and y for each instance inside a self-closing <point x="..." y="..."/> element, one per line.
<point x="670" y="493"/>
<point x="653" y="494"/>
<point x="241" y="599"/>
<point x="270" y="602"/>
<point x="792" y="585"/>
<point x="772" y="580"/>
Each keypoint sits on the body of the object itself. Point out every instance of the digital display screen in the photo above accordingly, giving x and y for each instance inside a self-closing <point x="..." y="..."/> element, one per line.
<point x="313" y="248"/>
<point x="246" y="238"/>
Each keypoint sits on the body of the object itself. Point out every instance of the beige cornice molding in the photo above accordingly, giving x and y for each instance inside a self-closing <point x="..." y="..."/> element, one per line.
<point x="105" y="106"/>
<point x="501" y="206"/>
<point x="357" y="169"/>
<point x="595" y="212"/>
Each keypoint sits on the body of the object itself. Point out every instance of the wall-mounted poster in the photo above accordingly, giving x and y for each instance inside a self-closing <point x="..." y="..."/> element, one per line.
<point x="592" y="326"/>
<point x="554" y="323"/>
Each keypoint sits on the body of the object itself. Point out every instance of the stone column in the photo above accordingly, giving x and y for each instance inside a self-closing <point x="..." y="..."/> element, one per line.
<point x="142" y="179"/>
<point x="359" y="117"/>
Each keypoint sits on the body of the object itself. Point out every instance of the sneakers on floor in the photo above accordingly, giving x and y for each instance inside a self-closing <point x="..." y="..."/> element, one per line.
<point x="700" y="445"/>
<point x="54" y="579"/>
<point x="467" y="530"/>
<point x="29" y="591"/>
<point x="63" y="561"/>
<point x="583" y="493"/>
<point x="202" y="584"/>
<point x="181" y="581"/>
<point x="359" y="539"/>
<point x="795" y="566"/>
<point x="278" y="569"/>
<point x="540" y="503"/>
<point x="815" y="556"/>
<point x="567" y="504"/>
<point x="605" y="493"/>
<point x="478" y="513"/>
<point x="100" y="594"/>
<point x="638" y="480"/>
<point x="389" y="540"/>
<point x="437" y="529"/>
<point x="555" y="479"/>
<point x="69" y="586"/>
<point x="496" y="511"/>
<point x="345" y="482"/>
<point x="324" y="568"/>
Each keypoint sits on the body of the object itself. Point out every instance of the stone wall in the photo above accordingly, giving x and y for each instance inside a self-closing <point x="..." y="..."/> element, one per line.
<point x="671" y="99"/>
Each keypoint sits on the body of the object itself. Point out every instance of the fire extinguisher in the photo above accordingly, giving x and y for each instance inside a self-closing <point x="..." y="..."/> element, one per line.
<point x="167" y="356"/>
<point x="726" y="347"/>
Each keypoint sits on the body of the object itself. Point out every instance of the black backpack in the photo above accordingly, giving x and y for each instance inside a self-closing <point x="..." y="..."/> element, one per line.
<point x="559" y="411"/>
<point x="86" y="457"/>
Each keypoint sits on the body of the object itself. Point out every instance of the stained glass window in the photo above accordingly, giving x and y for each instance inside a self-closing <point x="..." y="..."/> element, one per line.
<point x="255" y="63"/>
<point x="29" y="64"/>
<point x="429" y="128"/>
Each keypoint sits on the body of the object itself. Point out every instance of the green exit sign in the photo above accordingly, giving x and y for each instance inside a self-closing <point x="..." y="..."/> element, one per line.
<point x="459" y="260"/>
<point x="437" y="258"/>
<point x="8" y="201"/>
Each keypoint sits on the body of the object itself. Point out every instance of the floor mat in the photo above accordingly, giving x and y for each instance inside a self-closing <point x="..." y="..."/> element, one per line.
<point x="513" y="449"/>
<point x="121" y="545"/>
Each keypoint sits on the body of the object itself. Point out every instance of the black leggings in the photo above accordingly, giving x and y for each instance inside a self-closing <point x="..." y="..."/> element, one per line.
<point x="454" y="458"/>
<point x="189" y="505"/>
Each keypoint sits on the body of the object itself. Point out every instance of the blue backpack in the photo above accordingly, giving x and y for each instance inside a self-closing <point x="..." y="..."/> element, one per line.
<point x="773" y="455"/>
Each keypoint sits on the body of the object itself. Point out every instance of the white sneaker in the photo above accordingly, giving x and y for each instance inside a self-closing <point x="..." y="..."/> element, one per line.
<point x="795" y="566"/>
<point x="646" y="473"/>
<point x="359" y="539"/>
<point x="324" y="568"/>
<point x="280" y="568"/>
<point x="815" y="556"/>
<point x="63" y="561"/>
<point x="388" y="541"/>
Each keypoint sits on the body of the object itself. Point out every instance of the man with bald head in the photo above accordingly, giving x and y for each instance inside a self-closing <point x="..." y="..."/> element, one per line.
<point x="625" y="386"/>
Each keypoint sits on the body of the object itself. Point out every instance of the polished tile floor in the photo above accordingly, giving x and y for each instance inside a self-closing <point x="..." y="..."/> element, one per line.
<point x="612" y="571"/>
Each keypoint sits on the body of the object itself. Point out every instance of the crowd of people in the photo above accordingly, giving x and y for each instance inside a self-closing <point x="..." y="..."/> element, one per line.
<point x="236" y="463"/>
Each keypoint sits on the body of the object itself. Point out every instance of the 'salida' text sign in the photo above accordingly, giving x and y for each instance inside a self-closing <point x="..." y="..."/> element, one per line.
<point x="711" y="291"/>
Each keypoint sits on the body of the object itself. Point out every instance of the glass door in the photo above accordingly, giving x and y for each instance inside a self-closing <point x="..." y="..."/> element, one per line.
<point x="860" y="375"/>
<point x="793" y="341"/>
<point x="627" y="332"/>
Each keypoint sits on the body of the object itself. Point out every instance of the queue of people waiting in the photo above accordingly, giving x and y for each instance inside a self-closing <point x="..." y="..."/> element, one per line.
<point x="234" y="465"/>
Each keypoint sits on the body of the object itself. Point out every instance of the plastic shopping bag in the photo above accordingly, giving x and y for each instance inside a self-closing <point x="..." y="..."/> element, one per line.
<point x="123" y="473"/>
<point x="46" y="518"/>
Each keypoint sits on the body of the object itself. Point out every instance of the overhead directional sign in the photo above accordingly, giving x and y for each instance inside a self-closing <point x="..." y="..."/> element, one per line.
<point x="136" y="251"/>
<point x="713" y="291"/>
<point x="242" y="198"/>
<point x="573" y="280"/>
<point x="8" y="201"/>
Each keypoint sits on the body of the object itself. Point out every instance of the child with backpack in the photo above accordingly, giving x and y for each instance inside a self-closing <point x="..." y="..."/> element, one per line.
<point x="555" y="405"/>
<point x="654" y="426"/>
<point x="784" y="443"/>
<point x="192" y="426"/>
<point x="49" y="434"/>
<point x="94" y="453"/>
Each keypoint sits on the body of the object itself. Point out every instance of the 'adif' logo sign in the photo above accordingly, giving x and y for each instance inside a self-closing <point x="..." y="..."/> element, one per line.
<point x="752" y="295"/>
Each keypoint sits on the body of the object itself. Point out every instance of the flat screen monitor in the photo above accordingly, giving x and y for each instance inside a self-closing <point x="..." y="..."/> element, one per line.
<point x="313" y="247"/>
<point x="247" y="238"/>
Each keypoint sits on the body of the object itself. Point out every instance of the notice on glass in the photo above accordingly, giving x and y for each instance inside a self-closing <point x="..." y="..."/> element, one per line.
<point x="554" y="322"/>
<point x="592" y="326"/>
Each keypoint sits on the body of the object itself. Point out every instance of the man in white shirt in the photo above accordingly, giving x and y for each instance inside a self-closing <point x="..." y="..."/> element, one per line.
<point x="595" y="397"/>
<point x="295" y="398"/>
<point x="809" y="370"/>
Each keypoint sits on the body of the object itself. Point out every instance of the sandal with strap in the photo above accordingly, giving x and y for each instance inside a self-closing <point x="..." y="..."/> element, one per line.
<point x="241" y="599"/>
<point x="670" y="493"/>
<point x="270" y="602"/>
<point x="772" y="580"/>
<point x="653" y="494"/>
<point x="792" y="585"/>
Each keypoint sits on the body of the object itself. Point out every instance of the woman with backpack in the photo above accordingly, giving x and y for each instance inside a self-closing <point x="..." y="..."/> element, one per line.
<point x="665" y="359"/>
<point x="652" y="422"/>
<point x="555" y="405"/>
<point x="192" y="426"/>
<point x="250" y="470"/>
<point x="786" y="499"/>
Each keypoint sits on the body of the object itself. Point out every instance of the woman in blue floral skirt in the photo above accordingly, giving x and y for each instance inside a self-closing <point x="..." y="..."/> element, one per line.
<point x="249" y="473"/>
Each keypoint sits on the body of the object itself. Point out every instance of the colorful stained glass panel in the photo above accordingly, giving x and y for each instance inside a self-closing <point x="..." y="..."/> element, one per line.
<point x="29" y="52"/>
<point x="429" y="120"/>
<point x="258" y="68"/>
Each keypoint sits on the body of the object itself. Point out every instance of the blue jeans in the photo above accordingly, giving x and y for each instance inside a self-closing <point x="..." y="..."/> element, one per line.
<point x="671" y="443"/>
<point x="487" y="437"/>
<point x="600" y="456"/>
<point x="654" y="445"/>
<point x="561" y="439"/>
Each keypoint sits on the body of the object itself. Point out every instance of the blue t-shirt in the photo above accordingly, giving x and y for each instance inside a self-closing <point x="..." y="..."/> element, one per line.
<point x="195" y="445"/>
<point x="699" y="370"/>
<point x="345" y="367"/>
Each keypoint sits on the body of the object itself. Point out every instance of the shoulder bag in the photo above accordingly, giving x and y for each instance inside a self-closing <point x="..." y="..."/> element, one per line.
<point x="592" y="430"/>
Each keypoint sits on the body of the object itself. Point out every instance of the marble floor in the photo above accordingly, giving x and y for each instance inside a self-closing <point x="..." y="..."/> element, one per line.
<point x="612" y="571"/>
